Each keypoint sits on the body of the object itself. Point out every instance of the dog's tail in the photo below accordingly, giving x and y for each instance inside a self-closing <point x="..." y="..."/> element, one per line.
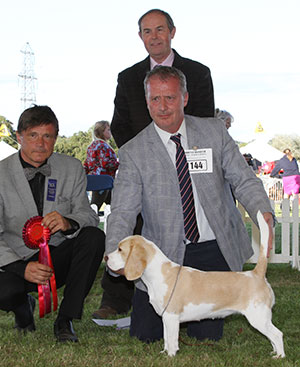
<point x="262" y="263"/>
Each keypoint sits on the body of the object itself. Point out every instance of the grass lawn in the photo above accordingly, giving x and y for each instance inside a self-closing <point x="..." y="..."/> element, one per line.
<point x="105" y="346"/>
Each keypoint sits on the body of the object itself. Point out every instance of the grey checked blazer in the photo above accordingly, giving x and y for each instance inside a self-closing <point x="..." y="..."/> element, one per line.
<point x="17" y="204"/>
<point x="147" y="182"/>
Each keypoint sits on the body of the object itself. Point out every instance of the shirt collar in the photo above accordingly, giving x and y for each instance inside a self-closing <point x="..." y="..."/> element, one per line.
<point x="167" y="62"/>
<point x="165" y="136"/>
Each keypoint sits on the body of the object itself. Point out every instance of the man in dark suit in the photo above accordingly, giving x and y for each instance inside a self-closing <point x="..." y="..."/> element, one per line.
<point x="37" y="182"/>
<point x="156" y="29"/>
<point x="131" y="115"/>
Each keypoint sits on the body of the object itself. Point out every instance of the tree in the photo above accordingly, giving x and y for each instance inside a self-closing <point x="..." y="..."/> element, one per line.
<point x="12" y="139"/>
<point x="75" y="146"/>
<point x="292" y="142"/>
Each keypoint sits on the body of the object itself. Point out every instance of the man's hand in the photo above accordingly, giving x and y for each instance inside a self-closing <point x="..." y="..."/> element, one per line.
<point x="56" y="222"/>
<point x="269" y="219"/>
<point x="37" y="273"/>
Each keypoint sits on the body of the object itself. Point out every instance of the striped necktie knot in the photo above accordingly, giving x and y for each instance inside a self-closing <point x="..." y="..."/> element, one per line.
<point x="176" y="139"/>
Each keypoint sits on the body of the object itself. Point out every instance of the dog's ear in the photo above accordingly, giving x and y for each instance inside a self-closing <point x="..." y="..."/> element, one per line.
<point x="136" y="262"/>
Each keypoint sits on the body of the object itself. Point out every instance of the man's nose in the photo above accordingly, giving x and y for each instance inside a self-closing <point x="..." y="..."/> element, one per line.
<point x="154" y="34"/>
<point x="163" y="104"/>
<point x="40" y="140"/>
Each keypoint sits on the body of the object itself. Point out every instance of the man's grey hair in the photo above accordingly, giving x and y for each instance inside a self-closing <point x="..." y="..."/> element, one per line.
<point x="223" y="115"/>
<point x="165" y="73"/>
<point x="169" y="20"/>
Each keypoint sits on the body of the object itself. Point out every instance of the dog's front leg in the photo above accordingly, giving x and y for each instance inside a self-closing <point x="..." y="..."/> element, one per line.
<point x="171" y="333"/>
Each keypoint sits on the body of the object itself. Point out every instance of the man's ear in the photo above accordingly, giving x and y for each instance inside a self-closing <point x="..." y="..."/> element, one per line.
<point x="185" y="99"/>
<point x="18" y="137"/>
<point x="173" y="32"/>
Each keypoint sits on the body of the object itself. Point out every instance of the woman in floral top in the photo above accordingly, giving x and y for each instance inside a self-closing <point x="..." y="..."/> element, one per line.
<point x="101" y="160"/>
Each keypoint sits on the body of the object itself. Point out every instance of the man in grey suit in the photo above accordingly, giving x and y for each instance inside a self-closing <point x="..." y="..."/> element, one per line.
<point x="156" y="30"/>
<point x="37" y="182"/>
<point x="147" y="182"/>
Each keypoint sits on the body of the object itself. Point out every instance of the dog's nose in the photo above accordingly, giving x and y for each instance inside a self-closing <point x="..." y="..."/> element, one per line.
<point x="106" y="258"/>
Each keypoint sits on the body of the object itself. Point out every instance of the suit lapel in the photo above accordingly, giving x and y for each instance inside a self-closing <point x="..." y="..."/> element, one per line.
<point x="22" y="187"/>
<point x="144" y="67"/>
<point x="24" y="191"/>
<point x="51" y="186"/>
<point x="160" y="153"/>
<point x="203" y="181"/>
<point x="178" y="60"/>
<point x="194" y="137"/>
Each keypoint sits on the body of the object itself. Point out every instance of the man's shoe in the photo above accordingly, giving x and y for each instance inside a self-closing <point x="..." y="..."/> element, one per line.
<point x="24" y="320"/>
<point x="104" y="312"/>
<point x="64" y="332"/>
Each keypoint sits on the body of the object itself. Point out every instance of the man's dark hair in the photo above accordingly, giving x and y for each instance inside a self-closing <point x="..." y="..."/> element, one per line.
<point x="36" y="116"/>
<point x="165" y="73"/>
<point x="169" y="20"/>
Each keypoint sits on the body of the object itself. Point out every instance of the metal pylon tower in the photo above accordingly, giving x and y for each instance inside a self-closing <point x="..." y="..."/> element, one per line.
<point x="27" y="78"/>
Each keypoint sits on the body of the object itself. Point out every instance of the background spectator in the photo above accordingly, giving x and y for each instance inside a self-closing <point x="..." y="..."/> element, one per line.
<point x="101" y="160"/>
<point x="291" y="174"/>
<point x="224" y="116"/>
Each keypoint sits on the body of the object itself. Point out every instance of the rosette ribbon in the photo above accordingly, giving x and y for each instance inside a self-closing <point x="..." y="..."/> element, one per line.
<point x="36" y="236"/>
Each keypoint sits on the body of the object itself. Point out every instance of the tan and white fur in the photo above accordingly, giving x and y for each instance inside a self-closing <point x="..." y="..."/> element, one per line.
<point x="198" y="294"/>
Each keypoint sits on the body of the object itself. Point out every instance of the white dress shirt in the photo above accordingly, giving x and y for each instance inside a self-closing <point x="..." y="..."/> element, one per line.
<point x="167" y="62"/>
<point x="205" y="231"/>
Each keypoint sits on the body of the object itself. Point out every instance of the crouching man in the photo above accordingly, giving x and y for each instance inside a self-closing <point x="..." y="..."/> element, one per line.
<point x="37" y="182"/>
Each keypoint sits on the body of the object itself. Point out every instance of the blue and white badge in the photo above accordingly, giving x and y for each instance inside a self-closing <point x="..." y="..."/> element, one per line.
<point x="51" y="192"/>
<point x="199" y="160"/>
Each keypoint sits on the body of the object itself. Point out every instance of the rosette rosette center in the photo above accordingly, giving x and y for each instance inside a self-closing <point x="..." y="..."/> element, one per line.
<point x="34" y="233"/>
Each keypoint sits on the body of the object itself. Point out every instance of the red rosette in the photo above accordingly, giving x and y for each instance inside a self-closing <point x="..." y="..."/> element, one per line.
<point x="36" y="236"/>
<point x="34" y="233"/>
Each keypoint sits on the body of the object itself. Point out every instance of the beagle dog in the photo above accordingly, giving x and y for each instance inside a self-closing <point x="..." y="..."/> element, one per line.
<point x="180" y="293"/>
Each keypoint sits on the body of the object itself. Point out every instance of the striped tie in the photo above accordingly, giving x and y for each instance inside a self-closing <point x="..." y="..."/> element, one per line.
<point x="186" y="192"/>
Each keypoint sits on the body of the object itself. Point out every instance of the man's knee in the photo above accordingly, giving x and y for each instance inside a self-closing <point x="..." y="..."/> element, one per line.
<point x="92" y="238"/>
<point x="92" y="233"/>
<point x="11" y="295"/>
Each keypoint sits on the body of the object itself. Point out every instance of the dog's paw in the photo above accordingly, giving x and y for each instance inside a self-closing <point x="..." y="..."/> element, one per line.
<point x="170" y="353"/>
<point x="277" y="356"/>
<point x="164" y="351"/>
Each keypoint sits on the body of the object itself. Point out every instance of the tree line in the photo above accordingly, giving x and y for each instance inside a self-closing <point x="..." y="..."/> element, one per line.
<point x="77" y="144"/>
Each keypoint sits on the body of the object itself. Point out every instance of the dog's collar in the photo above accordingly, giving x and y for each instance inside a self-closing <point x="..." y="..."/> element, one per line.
<point x="173" y="290"/>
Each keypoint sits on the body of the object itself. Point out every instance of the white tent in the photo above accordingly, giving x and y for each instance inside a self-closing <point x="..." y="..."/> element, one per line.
<point x="6" y="150"/>
<point x="262" y="151"/>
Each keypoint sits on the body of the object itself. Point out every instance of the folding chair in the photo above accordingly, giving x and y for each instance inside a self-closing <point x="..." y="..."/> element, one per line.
<point x="99" y="182"/>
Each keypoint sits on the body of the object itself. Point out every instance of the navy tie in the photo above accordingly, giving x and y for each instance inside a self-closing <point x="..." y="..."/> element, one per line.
<point x="186" y="192"/>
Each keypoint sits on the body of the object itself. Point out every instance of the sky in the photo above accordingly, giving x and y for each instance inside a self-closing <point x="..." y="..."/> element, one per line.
<point x="80" y="46"/>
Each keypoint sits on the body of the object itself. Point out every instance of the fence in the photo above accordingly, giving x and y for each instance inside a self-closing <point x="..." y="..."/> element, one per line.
<point x="273" y="187"/>
<point x="289" y="249"/>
